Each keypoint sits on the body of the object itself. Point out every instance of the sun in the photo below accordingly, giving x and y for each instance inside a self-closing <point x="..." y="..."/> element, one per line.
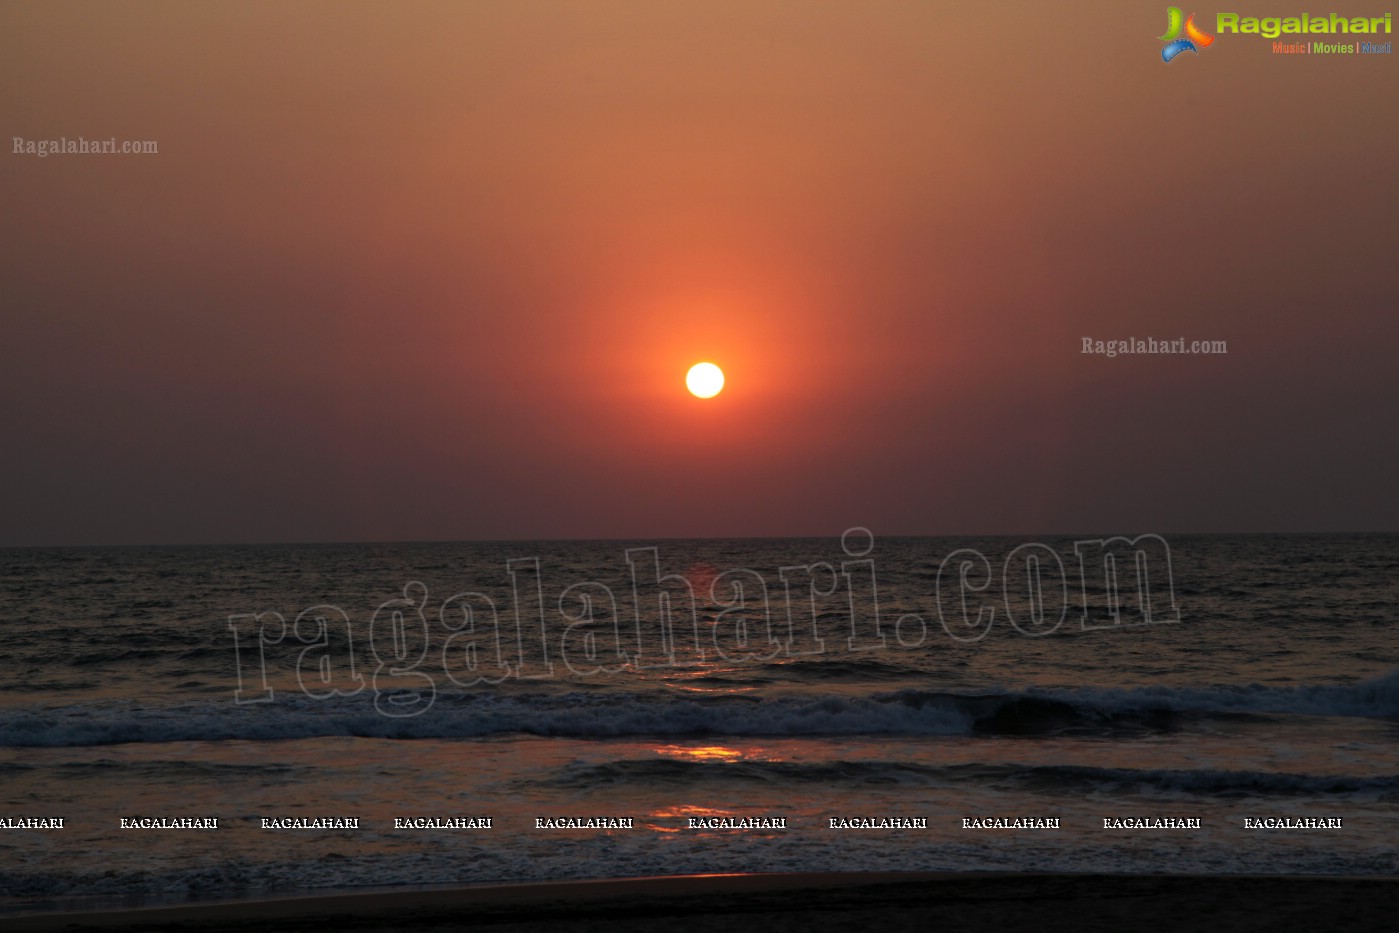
<point x="705" y="380"/>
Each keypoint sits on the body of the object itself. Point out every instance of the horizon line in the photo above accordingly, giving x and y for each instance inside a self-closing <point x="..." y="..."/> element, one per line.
<point x="1083" y="535"/>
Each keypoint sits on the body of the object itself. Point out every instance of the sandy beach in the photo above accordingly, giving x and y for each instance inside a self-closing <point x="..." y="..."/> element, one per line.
<point x="802" y="901"/>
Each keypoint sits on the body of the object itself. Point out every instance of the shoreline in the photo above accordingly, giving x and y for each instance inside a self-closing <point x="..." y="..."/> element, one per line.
<point x="797" y="901"/>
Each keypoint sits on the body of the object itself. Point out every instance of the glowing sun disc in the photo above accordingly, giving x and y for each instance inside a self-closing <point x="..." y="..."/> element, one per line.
<point x="704" y="380"/>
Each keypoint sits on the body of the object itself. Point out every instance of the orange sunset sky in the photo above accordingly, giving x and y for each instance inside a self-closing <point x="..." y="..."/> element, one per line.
<point x="437" y="270"/>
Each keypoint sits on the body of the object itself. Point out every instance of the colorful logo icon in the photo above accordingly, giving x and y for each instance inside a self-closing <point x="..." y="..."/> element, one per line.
<point x="1194" y="39"/>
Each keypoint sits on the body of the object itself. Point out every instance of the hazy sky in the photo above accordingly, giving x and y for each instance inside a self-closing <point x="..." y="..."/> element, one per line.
<point x="436" y="270"/>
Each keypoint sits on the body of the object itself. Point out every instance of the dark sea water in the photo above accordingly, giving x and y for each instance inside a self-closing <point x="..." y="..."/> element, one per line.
<point x="1223" y="678"/>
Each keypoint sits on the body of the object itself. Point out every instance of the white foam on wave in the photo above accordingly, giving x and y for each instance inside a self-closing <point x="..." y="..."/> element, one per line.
<point x="1376" y="698"/>
<point x="578" y="715"/>
<point x="603" y="716"/>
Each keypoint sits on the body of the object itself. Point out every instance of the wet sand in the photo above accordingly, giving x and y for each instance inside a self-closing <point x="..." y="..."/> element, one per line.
<point x="801" y="903"/>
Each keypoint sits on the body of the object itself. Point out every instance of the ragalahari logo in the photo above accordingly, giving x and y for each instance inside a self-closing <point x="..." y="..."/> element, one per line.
<point x="1194" y="40"/>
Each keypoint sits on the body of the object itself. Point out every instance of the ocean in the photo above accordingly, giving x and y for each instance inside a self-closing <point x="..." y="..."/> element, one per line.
<point x="1225" y="703"/>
